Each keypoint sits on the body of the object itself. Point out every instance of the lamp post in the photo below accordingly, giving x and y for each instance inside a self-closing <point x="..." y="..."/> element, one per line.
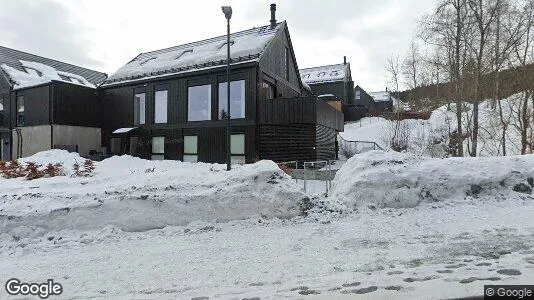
<point x="227" y="10"/>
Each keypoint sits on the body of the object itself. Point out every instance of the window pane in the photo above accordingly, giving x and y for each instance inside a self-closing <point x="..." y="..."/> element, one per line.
<point x="20" y="104"/>
<point x="139" y="109"/>
<point x="191" y="158"/>
<point x="160" y="107"/>
<point x="158" y="145"/>
<point x="1" y="104"/>
<point x="190" y="144"/>
<point x="237" y="144"/>
<point x="199" y="103"/>
<point x="237" y="99"/>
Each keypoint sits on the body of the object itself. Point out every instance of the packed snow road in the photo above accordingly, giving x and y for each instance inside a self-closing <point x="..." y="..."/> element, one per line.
<point x="432" y="251"/>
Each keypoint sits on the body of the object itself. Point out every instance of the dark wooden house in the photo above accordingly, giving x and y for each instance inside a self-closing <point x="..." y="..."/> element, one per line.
<point x="46" y="104"/>
<point x="331" y="79"/>
<point x="171" y="103"/>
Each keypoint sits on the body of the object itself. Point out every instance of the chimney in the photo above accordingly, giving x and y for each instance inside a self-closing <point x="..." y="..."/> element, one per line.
<point x="344" y="60"/>
<point x="273" y="16"/>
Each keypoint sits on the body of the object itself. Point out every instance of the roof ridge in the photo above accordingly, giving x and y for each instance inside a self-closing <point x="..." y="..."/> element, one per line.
<point x="52" y="59"/>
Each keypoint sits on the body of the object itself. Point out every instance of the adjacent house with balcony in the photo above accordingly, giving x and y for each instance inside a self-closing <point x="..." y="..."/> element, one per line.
<point x="46" y="104"/>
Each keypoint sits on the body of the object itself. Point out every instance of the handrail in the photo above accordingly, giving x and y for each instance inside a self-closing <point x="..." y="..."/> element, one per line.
<point x="364" y="142"/>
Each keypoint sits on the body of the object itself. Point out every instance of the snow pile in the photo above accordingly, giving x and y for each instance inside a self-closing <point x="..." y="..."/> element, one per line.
<point x="39" y="73"/>
<point x="401" y="180"/>
<point x="137" y="195"/>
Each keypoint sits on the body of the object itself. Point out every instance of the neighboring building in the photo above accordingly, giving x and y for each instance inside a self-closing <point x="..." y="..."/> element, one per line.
<point x="46" y="104"/>
<point x="362" y="98"/>
<point x="331" y="79"/>
<point x="384" y="101"/>
<point x="171" y="103"/>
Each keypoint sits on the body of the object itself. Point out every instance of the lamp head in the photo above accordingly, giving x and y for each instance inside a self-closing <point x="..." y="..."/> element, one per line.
<point x="227" y="10"/>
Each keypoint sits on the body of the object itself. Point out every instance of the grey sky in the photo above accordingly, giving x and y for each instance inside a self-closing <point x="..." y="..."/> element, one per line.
<point x="105" y="34"/>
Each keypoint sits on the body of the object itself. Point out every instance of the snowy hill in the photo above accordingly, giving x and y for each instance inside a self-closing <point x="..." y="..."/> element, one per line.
<point x="430" y="137"/>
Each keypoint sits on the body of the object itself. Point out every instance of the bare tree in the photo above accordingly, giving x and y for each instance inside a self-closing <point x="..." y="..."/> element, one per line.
<point x="484" y="15"/>
<point x="393" y="69"/>
<point x="412" y="66"/>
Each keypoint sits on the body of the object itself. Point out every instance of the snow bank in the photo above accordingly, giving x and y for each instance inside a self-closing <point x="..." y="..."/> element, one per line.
<point x="137" y="195"/>
<point x="391" y="179"/>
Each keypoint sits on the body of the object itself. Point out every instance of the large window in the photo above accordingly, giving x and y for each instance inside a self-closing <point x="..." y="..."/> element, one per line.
<point x="191" y="148"/>
<point x="237" y="148"/>
<point x="160" y="107"/>
<point x="21" y="119"/>
<point x="139" y="108"/>
<point x="237" y="100"/>
<point x="158" y="148"/>
<point x="199" y="103"/>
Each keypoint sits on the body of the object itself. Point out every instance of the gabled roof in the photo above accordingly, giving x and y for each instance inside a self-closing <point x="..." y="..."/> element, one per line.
<point x="323" y="74"/>
<point x="245" y="46"/>
<point x="15" y="64"/>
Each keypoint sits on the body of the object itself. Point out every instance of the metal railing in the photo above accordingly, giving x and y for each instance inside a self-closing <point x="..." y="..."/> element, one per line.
<point x="349" y="148"/>
<point x="321" y="170"/>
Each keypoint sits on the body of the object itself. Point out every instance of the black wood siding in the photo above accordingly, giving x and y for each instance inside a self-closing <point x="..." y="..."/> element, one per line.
<point x="75" y="105"/>
<point x="325" y="142"/>
<point x="272" y="64"/>
<point x="287" y="142"/>
<point x="36" y="105"/>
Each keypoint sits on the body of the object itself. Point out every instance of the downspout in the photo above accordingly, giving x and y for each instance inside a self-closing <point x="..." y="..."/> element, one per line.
<point x="51" y="90"/>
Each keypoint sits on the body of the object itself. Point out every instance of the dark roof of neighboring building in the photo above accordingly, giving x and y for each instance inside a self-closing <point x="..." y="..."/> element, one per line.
<point x="246" y="46"/>
<point x="13" y="58"/>
<point x="324" y="74"/>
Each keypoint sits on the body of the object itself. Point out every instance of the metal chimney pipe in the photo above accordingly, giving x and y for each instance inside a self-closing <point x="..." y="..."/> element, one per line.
<point x="344" y="60"/>
<point x="273" y="16"/>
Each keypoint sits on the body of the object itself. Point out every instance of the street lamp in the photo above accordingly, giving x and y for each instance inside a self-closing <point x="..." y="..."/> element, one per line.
<point x="227" y="10"/>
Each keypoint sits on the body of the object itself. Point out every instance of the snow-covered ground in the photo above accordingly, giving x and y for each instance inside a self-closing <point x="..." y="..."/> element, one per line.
<point x="429" y="137"/>
<point x="476" y="229"/>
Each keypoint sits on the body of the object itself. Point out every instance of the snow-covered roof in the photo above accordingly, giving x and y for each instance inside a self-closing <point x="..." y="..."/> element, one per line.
<point x="37" y="73"/>
<point x="124" y="130"/>
<point x="245" y="46"/>
<point x="326" y="95"/>
<point x="331" y="73"/>
<point x="381" y="96"/>
<point x="27" y="67"/>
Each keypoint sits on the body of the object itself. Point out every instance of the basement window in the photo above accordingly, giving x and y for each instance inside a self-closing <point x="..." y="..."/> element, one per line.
<point x="158" y="148"/>
<point x="237" y="148"/>
<point x="190" y="148"/>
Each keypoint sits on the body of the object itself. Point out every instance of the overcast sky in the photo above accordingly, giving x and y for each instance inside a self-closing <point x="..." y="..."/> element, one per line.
<point x="104" y="35"/>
